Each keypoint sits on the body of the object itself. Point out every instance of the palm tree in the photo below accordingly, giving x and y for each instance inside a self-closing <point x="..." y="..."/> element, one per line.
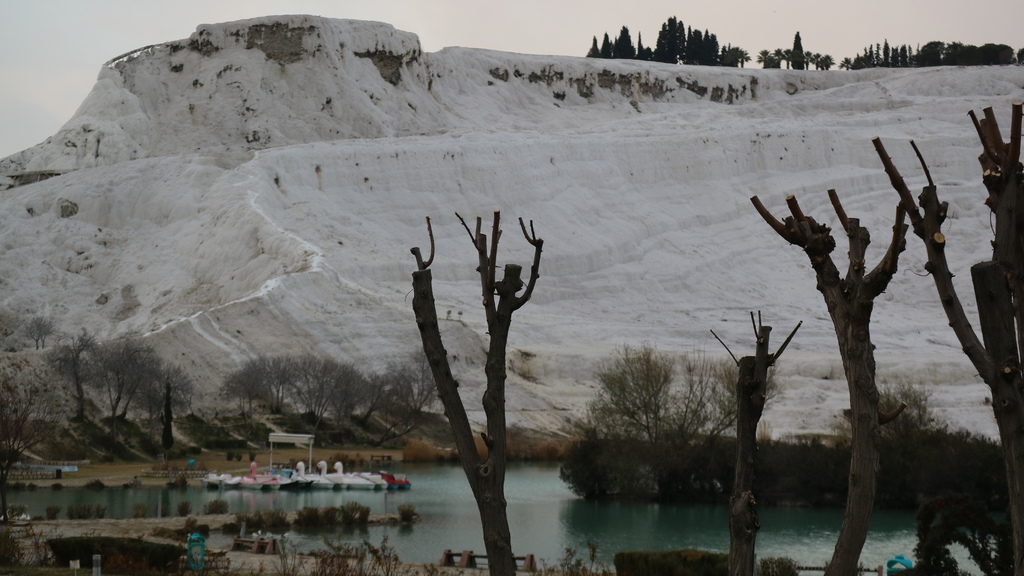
<point x="787" y="55"/>
<point x="846" y="64"/>
<point x="734" y="56"/>
<point x="812" y="58"/>
<point x="764" y="58"/>
<point x="779" y="56"/>
<point x="825" y="61"/>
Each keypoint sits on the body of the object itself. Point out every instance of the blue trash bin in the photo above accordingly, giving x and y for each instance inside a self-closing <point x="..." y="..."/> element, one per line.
<point x="898" y="564"/>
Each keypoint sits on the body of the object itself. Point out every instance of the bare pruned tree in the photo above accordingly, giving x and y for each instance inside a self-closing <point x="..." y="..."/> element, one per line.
<point x="998" y="289"/>
<point x="69" y="361"/>
<point x="751" y="393"/>
<point x="486" y="475"/>
<point x="850" y="301"/>
<point x="39" y="328"/>
<point x="153" y="394"/>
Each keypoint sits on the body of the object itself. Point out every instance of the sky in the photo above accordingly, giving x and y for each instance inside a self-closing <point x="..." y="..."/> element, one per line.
<point x="52" y="50"/>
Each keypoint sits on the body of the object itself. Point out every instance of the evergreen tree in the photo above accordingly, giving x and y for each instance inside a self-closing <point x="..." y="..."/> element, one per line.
<point x="798" y="60"/>
<point x="594" y="52"/>
<point x="671" y="42"/>
<point x="623" y="48"/>
<point x="886" y="55"/>
<point x="710" y="53"/>
<point x="167" y="438"/>
<point x="643" y="52"/>
<point x="606" y="47"/>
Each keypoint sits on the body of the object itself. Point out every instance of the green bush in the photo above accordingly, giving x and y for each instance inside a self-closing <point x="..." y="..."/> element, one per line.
<point x="153" y="555"/>
<point x="96" y="484"/>
<point x="672" y="563"/>
<point x="215" y="507"/>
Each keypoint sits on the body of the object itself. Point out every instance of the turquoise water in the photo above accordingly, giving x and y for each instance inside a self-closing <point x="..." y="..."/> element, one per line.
<point x="544" y="518"/>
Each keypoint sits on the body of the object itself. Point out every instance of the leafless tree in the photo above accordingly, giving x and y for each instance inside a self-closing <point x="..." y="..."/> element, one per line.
<point x="371" y="397"/>
<point x="69" y="361"/>
<point x="28" y="412"/>
<point x="122" y="367"/>
<point x="410" y="393"/>
<point x="152" y="394"/>
<point x="345" y="394"/>
<point x="247" y="387"/>
<point x="751" y="393"/>
<point x="998" y="290"/>
<point x="315" y="378"/>
<point x="486" y="476"/>
<point x="39" y="328"/>
<point x="281" y="377"/>
<point x="850" y="301"/>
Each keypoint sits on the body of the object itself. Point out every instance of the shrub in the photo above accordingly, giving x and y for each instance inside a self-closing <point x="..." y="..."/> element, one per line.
<point x="215" y="507"/>
<point x="230" y="455"/>
<point x="56" y="486"/>
<point x="101" y="511"/>
<point x="184" y="508"/>
<point x="10" y="548"/>
<point x="140" y="511"/>
<point x="80" y="511"/>
<point x="406" y="512"/>
<point x="777" y="567"/>
<point x="672" y="563"/>
<point x="354" y="513"/>
<point x="52" y="512"/>
<point x="308" y="517"/>
<point x="16" y="510"/>
<point x="127" y="550"/>
<point x="329" y="516"/>
<point x="96" y="484"/>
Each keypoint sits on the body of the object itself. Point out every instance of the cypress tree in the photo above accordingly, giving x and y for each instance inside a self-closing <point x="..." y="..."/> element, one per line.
<point x="671" y="42"/>
<point x="798" y="53"/>
<point x="167" y="438"/>
<point x="606" y="47"/>
<point x="624" y="45"/>
<point x="642" y="52"/>
<point x="594" y="52"/>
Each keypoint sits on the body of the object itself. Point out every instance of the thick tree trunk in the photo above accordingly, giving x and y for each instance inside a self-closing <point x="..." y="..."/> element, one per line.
<point x="849" y="300"/>
<point x="999" y="291"/>
<point x="486" y="478"/>
<point x="750" y="398"/>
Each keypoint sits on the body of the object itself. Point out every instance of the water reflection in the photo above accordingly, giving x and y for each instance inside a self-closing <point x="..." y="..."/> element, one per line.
<point x="543" y="515"/>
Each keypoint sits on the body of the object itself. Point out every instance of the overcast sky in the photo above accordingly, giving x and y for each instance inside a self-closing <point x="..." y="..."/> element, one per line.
<point x="52" y="50"/>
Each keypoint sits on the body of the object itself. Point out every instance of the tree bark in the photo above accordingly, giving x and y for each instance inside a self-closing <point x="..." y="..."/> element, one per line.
<point x="750" y="398"/>
<point x="850" y="301"/>
<point x="486" y="475"/>
<point x="999" y="292"/>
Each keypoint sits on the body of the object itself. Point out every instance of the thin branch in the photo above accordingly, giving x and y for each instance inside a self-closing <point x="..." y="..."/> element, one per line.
<point x="906" y="199"/>
<point x="753" y="323"/>
<point x="472" y="238"/>
<point x="924" y="165"/>
<point x="538" y="246"/>
<point x="726" y="348"/>
<point x="986" y="150"/>
<point x="782" y="348"/>
<point x="794" y="208"/>
<point x="779" y="227"/>
<point x="420" y="264"/>
<point x="838" y="207"/>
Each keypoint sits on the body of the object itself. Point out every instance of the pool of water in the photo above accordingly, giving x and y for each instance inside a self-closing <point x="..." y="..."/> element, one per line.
<point x="544" y="518"/>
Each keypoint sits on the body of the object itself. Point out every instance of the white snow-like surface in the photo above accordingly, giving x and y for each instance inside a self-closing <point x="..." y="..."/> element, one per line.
<point x="256" y="188"/>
